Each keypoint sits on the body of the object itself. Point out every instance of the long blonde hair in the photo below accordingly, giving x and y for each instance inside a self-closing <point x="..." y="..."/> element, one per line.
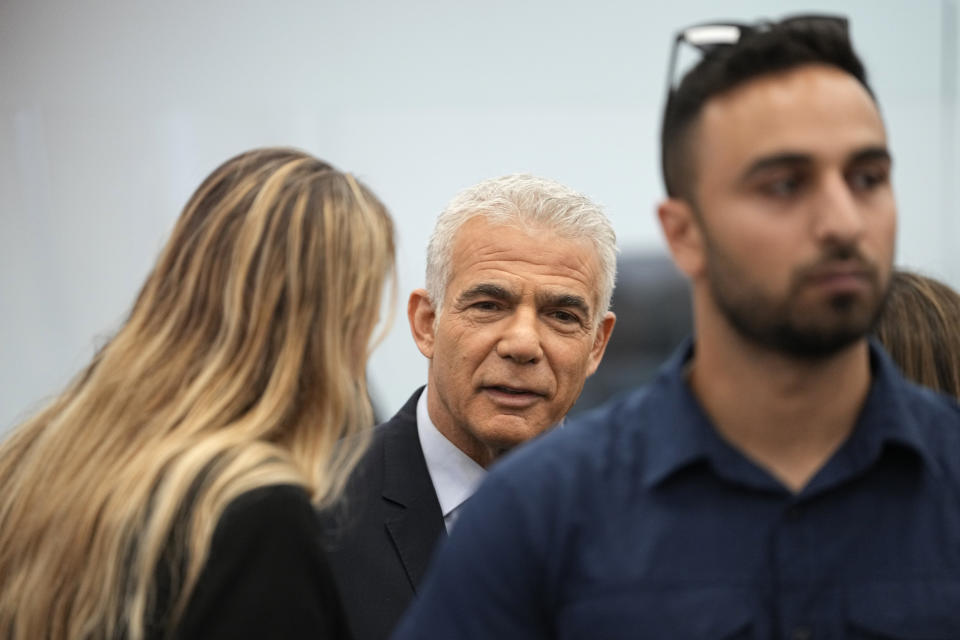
<point x="241" y="365"/>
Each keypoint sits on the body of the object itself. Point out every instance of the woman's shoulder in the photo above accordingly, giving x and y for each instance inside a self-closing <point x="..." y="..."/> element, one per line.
<point x="258" y="512"/>
<point x="266" y="574"/>
<point x="261" y="528"/>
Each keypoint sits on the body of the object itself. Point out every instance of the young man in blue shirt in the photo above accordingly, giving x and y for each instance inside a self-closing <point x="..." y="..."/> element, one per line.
<point x="780" y="479"/>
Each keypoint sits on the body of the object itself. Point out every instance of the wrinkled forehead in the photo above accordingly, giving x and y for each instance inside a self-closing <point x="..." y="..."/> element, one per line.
<point x="527" y="255"/>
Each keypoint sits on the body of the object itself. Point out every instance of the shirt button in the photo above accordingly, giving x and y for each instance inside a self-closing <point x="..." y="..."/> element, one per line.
<point x="801" y="633"/>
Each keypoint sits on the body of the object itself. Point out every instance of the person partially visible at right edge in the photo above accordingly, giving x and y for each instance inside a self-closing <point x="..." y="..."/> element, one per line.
<point x="920" y="329"/>
<point x="780" y="478"/>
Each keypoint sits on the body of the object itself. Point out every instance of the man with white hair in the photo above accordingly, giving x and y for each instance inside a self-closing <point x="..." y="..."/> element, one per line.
<point x="515" y="316"/>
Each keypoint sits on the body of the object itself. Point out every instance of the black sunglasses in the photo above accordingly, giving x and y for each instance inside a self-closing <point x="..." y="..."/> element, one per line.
<point x="709" y="37"/>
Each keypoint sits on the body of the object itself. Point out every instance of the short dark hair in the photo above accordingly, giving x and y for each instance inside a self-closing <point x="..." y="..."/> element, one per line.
<point x="765" y="49"/>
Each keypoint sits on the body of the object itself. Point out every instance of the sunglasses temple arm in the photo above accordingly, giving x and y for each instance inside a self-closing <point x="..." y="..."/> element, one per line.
<point x="671" y="65"/>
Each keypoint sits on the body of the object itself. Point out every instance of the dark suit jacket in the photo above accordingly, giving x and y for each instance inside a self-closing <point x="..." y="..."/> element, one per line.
<point x="385" y="528"/>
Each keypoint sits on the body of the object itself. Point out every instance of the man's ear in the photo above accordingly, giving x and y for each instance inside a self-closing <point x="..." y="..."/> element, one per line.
<point x="684" y="235"/>
<point x="422" y="317"/>
<point x="600" y="341"/>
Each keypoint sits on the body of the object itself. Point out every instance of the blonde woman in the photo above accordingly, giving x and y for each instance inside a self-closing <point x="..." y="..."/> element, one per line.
<point x="169" y="491"/>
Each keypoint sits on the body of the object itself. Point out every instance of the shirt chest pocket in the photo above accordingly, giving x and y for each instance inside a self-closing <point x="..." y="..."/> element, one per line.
<point x="928" y="610"/>
<point x="677" y="614"/>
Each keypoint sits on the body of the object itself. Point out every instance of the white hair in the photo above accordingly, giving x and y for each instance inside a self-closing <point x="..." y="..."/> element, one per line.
<point x="530" y="201"/>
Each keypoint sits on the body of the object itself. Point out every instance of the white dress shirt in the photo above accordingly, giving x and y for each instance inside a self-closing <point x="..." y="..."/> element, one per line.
<point x="454" y="474"/>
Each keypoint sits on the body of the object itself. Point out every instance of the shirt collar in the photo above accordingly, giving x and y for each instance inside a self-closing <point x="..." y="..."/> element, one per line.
<point x="678" y="432"/>
<point x="886" y="418"/>
<point x="454" y="474"/>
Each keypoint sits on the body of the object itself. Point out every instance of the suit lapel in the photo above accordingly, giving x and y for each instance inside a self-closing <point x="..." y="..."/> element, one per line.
<point x="417" y="525"/>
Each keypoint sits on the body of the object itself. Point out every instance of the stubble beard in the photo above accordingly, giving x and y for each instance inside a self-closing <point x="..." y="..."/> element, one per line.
<point x="785" y="325"/>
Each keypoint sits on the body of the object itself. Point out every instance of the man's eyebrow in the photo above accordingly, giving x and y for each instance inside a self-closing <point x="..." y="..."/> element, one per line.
<point x="776" y="161"/>
<point x="793" y="159"/>
<point x="484" y="290"/>
<point x="871" y="154"/>
<point x="564" y="300"/>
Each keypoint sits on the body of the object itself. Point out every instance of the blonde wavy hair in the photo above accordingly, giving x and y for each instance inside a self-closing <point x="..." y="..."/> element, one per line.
<point x="242" y="364"/>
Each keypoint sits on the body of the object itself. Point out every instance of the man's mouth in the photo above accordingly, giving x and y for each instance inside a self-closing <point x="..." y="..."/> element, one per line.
<point x="841" y="279"/>
<point x="516" y="391"/>
<point x="512" y="397"/>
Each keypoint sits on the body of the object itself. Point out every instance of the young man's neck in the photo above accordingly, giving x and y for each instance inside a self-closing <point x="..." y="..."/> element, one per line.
<point x="787" y="414"/>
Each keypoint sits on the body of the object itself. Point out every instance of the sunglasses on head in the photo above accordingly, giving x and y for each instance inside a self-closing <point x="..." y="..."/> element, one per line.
<point x="708" y="37"/>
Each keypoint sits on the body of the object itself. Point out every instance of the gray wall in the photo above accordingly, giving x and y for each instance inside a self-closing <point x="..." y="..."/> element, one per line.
<point x="112" y="112"/>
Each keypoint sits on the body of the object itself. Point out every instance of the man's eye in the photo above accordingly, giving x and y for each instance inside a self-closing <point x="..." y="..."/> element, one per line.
<point x="867" y="179"/>
<point x="565" y="316"/>
<point x="782" y="187"/>
<point x="485" y="305"/>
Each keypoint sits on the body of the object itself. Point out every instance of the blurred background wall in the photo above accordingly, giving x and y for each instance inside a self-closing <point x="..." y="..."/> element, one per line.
<point x="112" y="112"/>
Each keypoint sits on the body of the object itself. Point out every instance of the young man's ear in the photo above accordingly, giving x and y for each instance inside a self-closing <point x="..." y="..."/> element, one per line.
<point x="422" y="317"/>
<point x="684" y="236"/>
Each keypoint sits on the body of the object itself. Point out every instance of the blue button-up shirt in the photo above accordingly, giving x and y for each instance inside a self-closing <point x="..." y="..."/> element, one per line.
<point x="639" y="521"/>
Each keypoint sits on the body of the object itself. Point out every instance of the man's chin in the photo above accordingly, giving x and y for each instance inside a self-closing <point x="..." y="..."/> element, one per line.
<point x="819" y="347"/>
<point x="506" y="432"/>
<point x="829" y="339"/>
<point x="815" y="331"/>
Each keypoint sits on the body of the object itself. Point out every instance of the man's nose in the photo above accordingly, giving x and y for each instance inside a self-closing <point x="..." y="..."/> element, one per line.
<point x="520" y="340"/>
<point x="838" y="216"/>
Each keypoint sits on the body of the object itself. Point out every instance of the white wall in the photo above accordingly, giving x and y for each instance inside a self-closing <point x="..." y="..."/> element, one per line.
<point x="112" y="112"/>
